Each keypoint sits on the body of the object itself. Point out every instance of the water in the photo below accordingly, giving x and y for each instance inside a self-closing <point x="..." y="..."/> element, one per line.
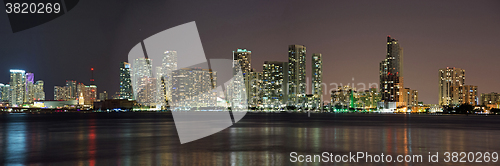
<point x="258" y="139"/>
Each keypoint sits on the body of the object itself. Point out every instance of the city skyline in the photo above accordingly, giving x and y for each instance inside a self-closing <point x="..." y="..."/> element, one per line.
<point x="349" y="37"/>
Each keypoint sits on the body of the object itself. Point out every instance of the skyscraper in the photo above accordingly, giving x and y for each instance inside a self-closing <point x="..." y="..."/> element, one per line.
<point x="62" y="93"/>
<point x="450" y="79"/>
<point x="391" y="73"/>
<point x="39" y="93"/>
<point x="317" y="79"/>
<point x="90" y="94"/>
<point x="254" y="88"/>
<point x="169" y="64"/>
<point x="17" y="85"/>
<point x="274" y="84"/>
<point x="72" y="89"/>
<point x="29" y="93"/>
<point x="125" y="82"/>
<point x="296" y="75"/>
<point x="142" y="71"/>
<point x="5" y="93"/>
<point x="243" y="58"/>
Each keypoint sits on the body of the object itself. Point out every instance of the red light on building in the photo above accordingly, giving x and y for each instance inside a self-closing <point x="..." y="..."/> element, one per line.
<point x="92" y="69"/>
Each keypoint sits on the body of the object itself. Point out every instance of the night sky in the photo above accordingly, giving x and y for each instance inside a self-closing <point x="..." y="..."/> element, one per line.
<point x="351" y="35"/>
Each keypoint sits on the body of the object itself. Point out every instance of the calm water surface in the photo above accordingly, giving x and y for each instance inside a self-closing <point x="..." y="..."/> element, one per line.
<point x="258" y="139"/>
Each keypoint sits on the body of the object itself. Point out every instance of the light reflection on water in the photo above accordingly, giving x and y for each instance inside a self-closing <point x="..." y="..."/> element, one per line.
<point x="259" y="139"/>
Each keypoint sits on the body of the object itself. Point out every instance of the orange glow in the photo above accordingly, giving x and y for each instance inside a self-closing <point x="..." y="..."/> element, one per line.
<point x="92" y="69"/>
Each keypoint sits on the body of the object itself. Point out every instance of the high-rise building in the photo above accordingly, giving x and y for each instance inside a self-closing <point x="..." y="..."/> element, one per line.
<point x="274" y="84"/>
<point x="29" y="93"/>
<point x="317" y="80"/>
<point x="470" y="95"/>
<point x="39" y="93"/>
<point x="90" y="95"/>
<point x="410" y="97"/>
<point x="5" y="93"/>
<point x="17" y="86"/>
<point x="125" y="82"/>
<point x="243" y="58"/>
<point x="62" y="93"/>
<point x="142" y="75"/>
<point x="194" y="88"/>
<point x="391" y="73"/>
<point x="72" y="89"/>
<point x="296" y="75"/>
<point x="2" y="91"/>
<point x="450" y="81"/>
<point x="169" y="64"/>
<point x="254" y="88"/>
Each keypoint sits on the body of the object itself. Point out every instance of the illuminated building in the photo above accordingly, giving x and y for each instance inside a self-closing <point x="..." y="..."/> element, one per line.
<point x="90" y="95"/>
<point x="296" y="75"/>
<point x="370" y="98"/>
<point x="61" y="93"/>
<point x="73" y="95"/>
<point x="17" y="87"/>
<point x="5" y="97"/>
<point x="317" y="79"/>
<point x="29" y="85"/>
<point x="243" y="58"/>
<point x="274" y="80"/>
<point x="141" y="75"/>
<point x="80" y="89"/>
<point x="125" y="82"/>
<point x="39" y="93"/>
<point x="343" y="97"/>
<point x="450" y="81"/>
<point x="410" y="97"/>
<point x="193" y="87"/>
<point x="391" y="73"/>
<point x="169" y="64"/>
<point x="254" y="88"/>
<point x="491" y="100"/>
<point x="103" y="96"/>
<point x="470" y="95"/>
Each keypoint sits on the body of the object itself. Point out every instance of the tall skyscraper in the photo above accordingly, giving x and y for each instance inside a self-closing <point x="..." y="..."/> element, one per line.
<point x="29" y="93"/>
<point x="317" y="79"/>
<point x="274" y="84"/>
<point x="2" y="91"/>
<point x="142" y="72"/>
<point x="72" y="89"/>
<point x="391" y="73"/>
<point x="17" y="85"/>
<point x="169" y="64"/>
<point x="296" y="75"/>
<point x="39" y="93"/>
<point x="450" y="79"/>
<point x="254" y="88"/>
<point x="125" y="82"/>
<point x="243" y="58"/>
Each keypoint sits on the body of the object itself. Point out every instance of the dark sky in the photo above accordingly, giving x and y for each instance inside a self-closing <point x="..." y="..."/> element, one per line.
<point x="351" y="35"/>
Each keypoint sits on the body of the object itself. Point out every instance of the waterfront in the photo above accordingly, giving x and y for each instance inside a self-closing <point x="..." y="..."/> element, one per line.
<point x="258" y="139"/>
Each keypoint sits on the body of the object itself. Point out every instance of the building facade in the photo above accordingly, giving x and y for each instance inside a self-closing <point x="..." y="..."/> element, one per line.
<point x="317" y="80"/>
<point x="450" y="82"/>
<point x="274" y="84"/>
<point x="125" y="82"/>
<point x="17" y="87"/>
<point x="391" y="73"/>
<point x="296" y="75"/>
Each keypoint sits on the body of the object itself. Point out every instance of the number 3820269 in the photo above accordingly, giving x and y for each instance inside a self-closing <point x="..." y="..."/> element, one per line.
<point x="32" y="7"/>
